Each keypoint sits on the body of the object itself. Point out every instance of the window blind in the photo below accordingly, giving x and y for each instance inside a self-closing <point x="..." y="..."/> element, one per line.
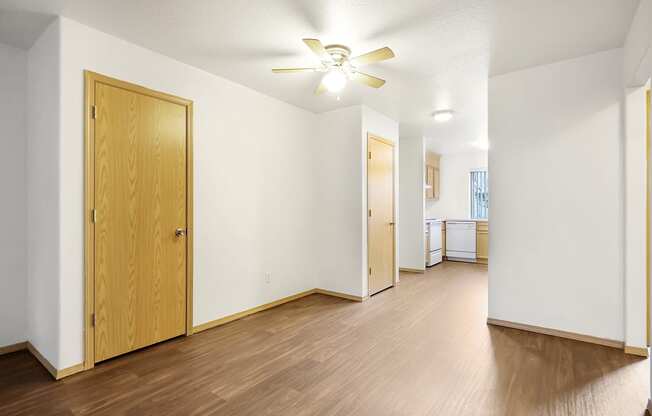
<point x="479" y="194"/>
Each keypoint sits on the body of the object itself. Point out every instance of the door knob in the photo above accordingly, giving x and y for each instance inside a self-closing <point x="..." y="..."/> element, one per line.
<point x="180" y="232"/>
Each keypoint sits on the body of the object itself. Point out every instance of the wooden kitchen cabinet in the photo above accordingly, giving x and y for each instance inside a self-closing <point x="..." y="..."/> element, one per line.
<point x="435" y="184"/>
<point x="430" y="179"/>
<point x="432" y="176"/>
<point x="482" y="242"/>
<point x="443" y="239"/>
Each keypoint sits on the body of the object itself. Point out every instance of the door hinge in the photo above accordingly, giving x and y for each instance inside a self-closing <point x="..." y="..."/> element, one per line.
<point x="93" y="112"/>
<point x="370" y="213"/>
<point x="93" y="320"/>
<point x="93" y="215"/>
<point x="370" y="271"/>
<point x="369" y="156"/>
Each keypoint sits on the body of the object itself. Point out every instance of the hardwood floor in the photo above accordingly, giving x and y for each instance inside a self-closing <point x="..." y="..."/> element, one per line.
<point x="422" y="348"/>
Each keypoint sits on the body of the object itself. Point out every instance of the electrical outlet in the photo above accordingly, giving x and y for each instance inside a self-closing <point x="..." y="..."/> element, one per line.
<point x="268" y="277"/>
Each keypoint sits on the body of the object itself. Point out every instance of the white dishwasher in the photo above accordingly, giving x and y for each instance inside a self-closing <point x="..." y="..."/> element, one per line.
<point x="460" y="241"/>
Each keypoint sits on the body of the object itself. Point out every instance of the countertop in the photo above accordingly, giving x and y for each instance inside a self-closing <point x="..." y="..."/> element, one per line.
<point x="455" y="219"/>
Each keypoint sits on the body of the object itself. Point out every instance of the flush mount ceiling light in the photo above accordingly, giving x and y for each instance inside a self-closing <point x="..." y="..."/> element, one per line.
<point x="481" y="144"/>
<point x="339" y="67"/>
<point x="442" y="116"/>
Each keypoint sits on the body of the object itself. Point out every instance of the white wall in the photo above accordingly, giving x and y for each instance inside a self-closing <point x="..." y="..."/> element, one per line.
<point x="341" y="197"/>
<point x="454" y="198"/>
<point x="254" y="193"/>
<point x="338" y="190"/>
<point x="637" y="72"/>
<point x="635" y="218"/>
<point x="13" y="242"/>
<point x="43" y="144"/>
<point x="556" y="163"/>
<point x="274" y="191"/>
<point x="411" y="238"/>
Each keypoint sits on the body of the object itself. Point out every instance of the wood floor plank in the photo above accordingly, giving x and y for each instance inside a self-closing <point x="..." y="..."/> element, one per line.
<point x="422" y="348"/>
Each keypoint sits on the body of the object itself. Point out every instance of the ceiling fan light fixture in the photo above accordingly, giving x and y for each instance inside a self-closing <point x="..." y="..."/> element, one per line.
<point x="339" y="68"/>
<point x="334" y="80"/>
<point x="442" y="116"/>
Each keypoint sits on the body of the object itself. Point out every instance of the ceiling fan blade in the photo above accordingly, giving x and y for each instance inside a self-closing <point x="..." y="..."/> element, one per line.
<point x="318" y="49"/>
<point x="292" y="70"/>
<point x="378" y="55"/>
<point x="367" y="79"/>
<point x="321" y="88"/>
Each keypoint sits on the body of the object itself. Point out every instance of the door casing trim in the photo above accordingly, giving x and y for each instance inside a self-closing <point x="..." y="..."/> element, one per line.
<point x="90" y="79"/>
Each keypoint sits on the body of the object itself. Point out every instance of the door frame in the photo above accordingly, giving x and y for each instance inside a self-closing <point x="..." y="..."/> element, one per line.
<point x="648" y="191"/>
<point x="90" y="79"/>
<point x="371" y="136"/>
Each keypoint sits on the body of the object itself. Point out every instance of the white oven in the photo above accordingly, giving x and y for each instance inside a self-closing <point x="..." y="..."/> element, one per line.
<point x="433" y="242"/>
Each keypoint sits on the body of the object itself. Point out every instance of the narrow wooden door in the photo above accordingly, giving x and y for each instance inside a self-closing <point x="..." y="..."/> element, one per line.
<point x="140" y="220"/>
<point x="380" y="200"/>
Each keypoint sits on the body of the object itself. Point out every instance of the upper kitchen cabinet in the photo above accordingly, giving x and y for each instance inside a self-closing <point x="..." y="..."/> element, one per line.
<point x="432" y="176"/>
<point x="430" y="179"/>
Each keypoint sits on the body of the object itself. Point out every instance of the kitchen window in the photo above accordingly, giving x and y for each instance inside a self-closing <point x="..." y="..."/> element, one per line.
<point x="479" y="194"/>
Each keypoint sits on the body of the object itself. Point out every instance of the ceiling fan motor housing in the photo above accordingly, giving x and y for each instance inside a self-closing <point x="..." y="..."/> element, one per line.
<point x="339" y="53"/>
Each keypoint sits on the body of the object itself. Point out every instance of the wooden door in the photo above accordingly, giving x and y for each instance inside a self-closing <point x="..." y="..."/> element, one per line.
<point x="380" y="200"/>
<point x="140" y="199"/>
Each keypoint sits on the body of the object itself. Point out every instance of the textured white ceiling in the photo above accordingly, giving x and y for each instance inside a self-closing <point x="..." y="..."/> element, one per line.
<point x="534" y="32"/>
<point x="20" y="28"/>
<point x="445" y="48"/>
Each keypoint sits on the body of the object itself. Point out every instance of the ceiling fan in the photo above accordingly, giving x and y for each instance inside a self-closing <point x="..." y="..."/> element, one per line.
<point x="339" y="68"/>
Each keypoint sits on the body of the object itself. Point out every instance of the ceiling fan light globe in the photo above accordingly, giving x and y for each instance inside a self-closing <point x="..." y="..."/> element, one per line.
<point x="334" y="81"/>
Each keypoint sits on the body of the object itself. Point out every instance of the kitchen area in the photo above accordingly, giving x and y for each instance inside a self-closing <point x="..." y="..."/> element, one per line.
<point x="456" y="240"/>
<point x="458" y="237"/>
<point x="443" y="204"/>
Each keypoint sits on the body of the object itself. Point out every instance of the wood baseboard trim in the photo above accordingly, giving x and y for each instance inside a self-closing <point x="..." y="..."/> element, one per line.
<point x="59" y="374"/>
<point x="44" y="362"/>
<point x="77" y="368"/>
<point x="407" y="270"/>
<point x="251" y="311"/>
<point x="55" y="373"/>
<point x="638" y="351"/>
<point x="341" y="295"/>
<point x="19" y="346"/>
<point x="557" y="333"/>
